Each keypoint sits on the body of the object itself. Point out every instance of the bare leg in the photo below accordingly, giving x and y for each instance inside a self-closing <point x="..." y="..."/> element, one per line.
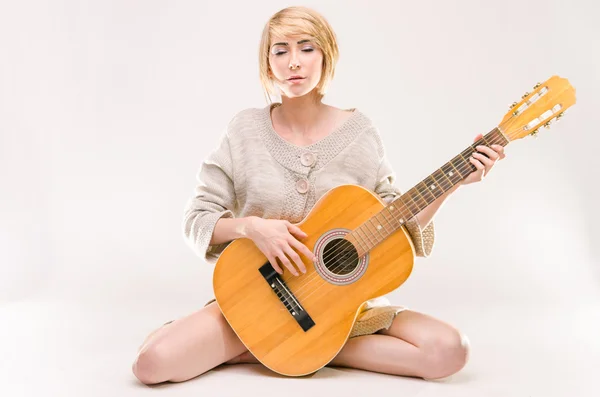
<point x="416" y="345"/>
<point x="187" y="347"/>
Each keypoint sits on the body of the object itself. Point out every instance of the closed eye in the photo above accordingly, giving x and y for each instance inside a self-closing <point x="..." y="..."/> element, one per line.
<point x="305" y="50"/>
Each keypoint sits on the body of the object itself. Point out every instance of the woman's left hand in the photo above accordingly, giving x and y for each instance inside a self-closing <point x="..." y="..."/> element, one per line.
<point x="482" y="163"/>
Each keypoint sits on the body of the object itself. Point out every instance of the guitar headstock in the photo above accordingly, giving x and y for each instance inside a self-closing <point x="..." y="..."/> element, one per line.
<point x="546" y="104"/>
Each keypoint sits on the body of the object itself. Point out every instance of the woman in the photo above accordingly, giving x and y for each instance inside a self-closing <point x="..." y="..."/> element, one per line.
<point x="271" y="166"/>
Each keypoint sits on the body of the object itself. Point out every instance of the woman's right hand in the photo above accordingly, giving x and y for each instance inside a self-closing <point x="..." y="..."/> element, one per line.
<point x="275" y="238"/>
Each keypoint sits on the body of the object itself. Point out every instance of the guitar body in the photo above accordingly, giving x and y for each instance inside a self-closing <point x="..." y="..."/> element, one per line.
<point x="266" y="318"/>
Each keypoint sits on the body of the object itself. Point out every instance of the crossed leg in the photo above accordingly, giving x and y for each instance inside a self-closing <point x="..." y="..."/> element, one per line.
<point x="416" y="345"/>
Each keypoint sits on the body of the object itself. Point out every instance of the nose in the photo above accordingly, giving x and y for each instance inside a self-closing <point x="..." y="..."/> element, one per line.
<point x="294" y="60"/>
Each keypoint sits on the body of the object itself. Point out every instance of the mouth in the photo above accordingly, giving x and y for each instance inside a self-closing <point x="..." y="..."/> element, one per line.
<point x="296" y="78"/>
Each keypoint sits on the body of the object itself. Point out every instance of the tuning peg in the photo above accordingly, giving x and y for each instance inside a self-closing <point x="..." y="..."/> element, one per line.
<point x="525" y="95"/>
<point x="513" y="105"/>
<point x="560" y="116"/>
<point x="534" y="133"/>
<point x="537" y="85"/>
<point x="547" y="125"/>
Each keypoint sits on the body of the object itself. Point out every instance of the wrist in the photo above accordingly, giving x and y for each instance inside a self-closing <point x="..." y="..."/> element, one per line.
<point x="247" y="226"/>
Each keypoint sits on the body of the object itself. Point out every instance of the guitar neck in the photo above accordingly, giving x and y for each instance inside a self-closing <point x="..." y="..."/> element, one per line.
<point x="403" y="208"/>
<point x="443" y="179"/>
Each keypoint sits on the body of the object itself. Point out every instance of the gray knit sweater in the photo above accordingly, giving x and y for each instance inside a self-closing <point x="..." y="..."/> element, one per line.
<point x="255" y="172"/>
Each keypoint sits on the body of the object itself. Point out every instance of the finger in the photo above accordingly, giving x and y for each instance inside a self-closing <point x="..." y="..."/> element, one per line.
<point x="478" y="137"/>
<point x="286" y="262"/>
<point x="274" y="263"/>
<point x="295" y="229"/>
<point x="296" y="258"/>
<point x="485" y="160"/>
<point x="491" y="153"/>
<point x="477" y="164"/>
<point x="500" y="150"/>
<point x="304" y="249"/>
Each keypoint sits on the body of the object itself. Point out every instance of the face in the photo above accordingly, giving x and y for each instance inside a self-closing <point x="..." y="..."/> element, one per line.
<point x="295" y="56"/>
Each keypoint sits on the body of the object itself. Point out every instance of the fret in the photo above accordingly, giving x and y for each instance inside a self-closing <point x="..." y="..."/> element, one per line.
<point x="366" y="242"/>
<point x="497" y="140"/>
<point x="451" y="173"/>
<point x="493" y="138"/>
<point x="360" y="241"/>
<point x="464" y="167"/>
<point x="393" y="207"/>
<point x="442" y="171"/>
<point x="382" y="224"/>
<point x="417" y="199"/>
<point x="392" y="226"/>
<point x="372" y="236"/>
<point x="422" y="188"/>
<point x="451" y="162"/>
<point x="377" y="234"/>
<point x="408" y="207"/>
<point x="502" y="137"/>
<point x="433" y="187"/>
<point x="365" y="229"/>
<point x="465" y="154"/>
<point x="442" y="180"/>
<point x="497" y="137"/>
<point x="486" y="141"/>
<point x="405" y="212"/>
<point x="470" y="166"/>
<point x="352" y="238"/>
<point x="388" y="221"/>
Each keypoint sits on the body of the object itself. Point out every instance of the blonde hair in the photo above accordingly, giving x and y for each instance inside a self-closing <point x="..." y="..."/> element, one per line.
<point x="296" y="21"/>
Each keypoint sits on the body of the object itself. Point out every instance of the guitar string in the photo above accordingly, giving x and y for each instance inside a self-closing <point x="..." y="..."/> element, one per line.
<point x="306" y="283"/>
<point x="307" y="286"/>
<point x="336" y="250"/>
<point x="311" y="282"/>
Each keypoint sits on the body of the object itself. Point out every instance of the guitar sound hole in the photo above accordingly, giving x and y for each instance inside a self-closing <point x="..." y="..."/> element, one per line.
<point x="340" y="257"/>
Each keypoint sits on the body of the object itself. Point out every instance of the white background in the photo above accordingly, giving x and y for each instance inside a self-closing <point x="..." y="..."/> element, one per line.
<point x="107" y="109"/>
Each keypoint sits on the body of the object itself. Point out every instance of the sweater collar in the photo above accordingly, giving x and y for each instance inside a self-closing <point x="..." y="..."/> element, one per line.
<point x="289" y="154"/>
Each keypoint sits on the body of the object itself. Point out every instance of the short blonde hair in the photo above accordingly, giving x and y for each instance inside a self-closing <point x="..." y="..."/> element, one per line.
<point x="296" y="21"/>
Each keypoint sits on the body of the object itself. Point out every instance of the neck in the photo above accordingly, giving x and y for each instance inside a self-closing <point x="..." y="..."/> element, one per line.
<point x="302" y="115"/>
<point x="403" y="208"/>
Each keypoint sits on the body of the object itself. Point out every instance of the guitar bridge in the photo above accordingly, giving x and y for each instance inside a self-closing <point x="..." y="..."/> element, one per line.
<point x="286" y="296"/>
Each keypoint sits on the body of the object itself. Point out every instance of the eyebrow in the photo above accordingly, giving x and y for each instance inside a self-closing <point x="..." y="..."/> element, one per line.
<point x="285" y="43"/>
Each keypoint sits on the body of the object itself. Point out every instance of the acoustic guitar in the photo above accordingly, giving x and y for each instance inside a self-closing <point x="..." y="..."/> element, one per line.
<point x="295" y="325"/>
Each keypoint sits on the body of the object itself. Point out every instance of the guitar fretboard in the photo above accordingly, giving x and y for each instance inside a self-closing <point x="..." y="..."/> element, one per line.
<point x="409" y="204"/>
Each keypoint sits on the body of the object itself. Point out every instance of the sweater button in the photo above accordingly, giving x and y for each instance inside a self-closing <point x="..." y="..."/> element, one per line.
<point x="307" y="159"/>
<point x="302" y="186"/>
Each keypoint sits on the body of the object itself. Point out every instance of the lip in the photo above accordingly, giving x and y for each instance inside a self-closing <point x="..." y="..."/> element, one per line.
<point x="296" y="77"/>
<point x="296" y="81"/>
